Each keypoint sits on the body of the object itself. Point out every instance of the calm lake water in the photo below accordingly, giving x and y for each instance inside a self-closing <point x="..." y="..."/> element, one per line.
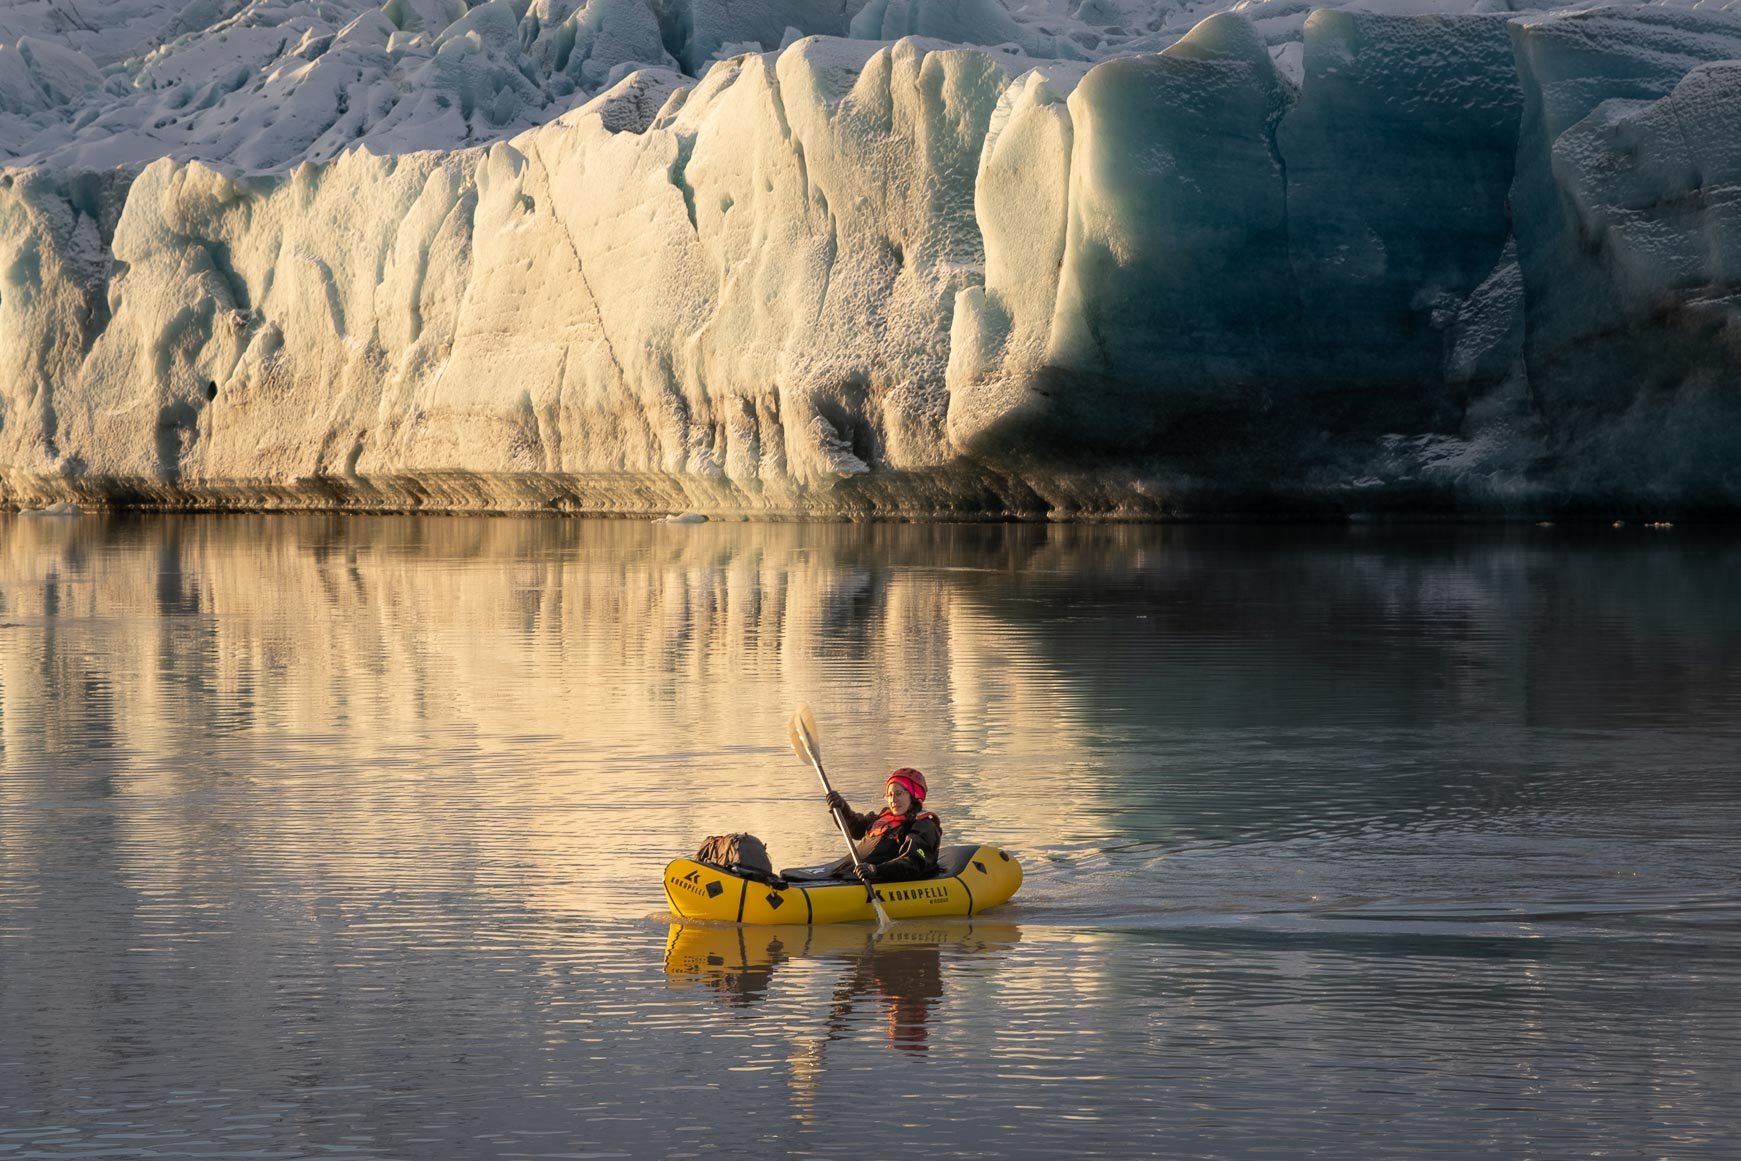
<point x="327" y="836"/>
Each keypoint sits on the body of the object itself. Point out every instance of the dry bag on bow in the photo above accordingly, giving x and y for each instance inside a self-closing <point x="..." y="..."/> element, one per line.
<point x="742" y="854"/>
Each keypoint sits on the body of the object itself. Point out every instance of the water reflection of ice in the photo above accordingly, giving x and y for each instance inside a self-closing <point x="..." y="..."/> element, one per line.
<point x="617" y="676"/>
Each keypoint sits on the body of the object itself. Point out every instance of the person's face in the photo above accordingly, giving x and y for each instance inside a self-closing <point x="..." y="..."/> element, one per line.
<point x="897" y="797"/>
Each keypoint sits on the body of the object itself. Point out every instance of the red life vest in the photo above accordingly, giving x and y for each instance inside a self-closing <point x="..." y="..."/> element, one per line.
<point x="888" y="820"/>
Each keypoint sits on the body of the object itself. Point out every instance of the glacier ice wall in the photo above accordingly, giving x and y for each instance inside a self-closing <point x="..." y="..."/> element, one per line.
<point x="736" y="304"/>
<point x="1246" y="268"/>
<point x="1630" y="166"/>
<point x="1453" y="264"/>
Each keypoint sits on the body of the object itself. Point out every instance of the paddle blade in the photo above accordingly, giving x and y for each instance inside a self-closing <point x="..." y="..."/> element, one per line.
<point x="801" y="731"/>
<point x="807" y="727"/>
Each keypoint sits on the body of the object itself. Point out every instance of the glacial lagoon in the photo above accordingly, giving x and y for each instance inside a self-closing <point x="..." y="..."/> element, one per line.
<point x="328" y="836"/>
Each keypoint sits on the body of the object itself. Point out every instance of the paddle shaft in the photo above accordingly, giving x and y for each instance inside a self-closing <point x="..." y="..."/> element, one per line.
<point x="804" y="743"/>
<point x="837" y="814"/>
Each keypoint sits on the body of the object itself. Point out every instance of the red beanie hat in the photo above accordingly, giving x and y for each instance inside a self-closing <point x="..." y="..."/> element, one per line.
<point x="909" y="780"/>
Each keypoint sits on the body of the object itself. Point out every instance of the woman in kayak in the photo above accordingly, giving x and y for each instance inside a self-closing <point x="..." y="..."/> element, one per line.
<point x="896" y="843"/>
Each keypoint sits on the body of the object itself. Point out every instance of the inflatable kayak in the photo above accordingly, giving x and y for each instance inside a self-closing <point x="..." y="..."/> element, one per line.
<point x="968" y="880"/>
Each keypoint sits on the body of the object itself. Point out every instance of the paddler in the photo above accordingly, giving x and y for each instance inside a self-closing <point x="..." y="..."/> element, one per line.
<point x="898" y="842"/>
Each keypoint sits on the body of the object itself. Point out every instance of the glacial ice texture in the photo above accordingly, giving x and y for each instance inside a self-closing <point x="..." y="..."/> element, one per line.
<point x="1295" y="261"/>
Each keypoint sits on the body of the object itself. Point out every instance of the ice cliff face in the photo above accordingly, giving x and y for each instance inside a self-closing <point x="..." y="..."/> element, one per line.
<point x="1296" y="260"/>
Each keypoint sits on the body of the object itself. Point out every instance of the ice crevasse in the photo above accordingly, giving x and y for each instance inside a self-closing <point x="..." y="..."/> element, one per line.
<point x="1480" y="263"/>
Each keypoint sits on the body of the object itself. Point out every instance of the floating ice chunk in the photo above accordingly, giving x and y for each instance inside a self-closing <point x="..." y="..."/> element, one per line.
<point x="63" y="508"/>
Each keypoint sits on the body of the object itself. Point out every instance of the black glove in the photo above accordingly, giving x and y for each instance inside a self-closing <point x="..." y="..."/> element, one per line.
<point x="864" y="873"/>
<point x="836" y="802"/>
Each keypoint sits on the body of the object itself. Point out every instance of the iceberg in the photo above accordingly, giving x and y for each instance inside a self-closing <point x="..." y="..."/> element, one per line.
<point x="903" y="258"/>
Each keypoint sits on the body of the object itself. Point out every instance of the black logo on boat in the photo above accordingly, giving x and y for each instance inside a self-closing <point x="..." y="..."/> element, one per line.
<point x="692" y="884"/>
<point x="774" y="900"/>
<point x="979" y="866"/>
<point x="938" y="894"/>
<point x="714" y="888"/>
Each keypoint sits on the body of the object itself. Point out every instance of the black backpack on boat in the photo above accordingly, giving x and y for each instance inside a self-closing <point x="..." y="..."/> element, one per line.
<point x="741" y="854"/>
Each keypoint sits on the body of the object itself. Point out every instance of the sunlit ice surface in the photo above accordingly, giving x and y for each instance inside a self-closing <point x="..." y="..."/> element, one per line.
<point x="324" y="835"/>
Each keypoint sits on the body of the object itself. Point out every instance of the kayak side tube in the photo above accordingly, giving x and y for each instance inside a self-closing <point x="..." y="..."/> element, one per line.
<point x="971" y="879"/>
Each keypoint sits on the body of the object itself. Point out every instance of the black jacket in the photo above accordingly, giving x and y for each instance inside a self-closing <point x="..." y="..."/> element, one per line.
<point x="906" y="850"/>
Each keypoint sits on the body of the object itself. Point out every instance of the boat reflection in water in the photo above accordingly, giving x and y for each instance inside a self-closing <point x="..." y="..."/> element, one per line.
<point x="900" y="970"/>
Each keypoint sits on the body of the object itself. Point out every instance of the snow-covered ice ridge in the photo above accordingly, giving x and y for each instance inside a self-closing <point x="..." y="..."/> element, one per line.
<point x="1121" y="258"/>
